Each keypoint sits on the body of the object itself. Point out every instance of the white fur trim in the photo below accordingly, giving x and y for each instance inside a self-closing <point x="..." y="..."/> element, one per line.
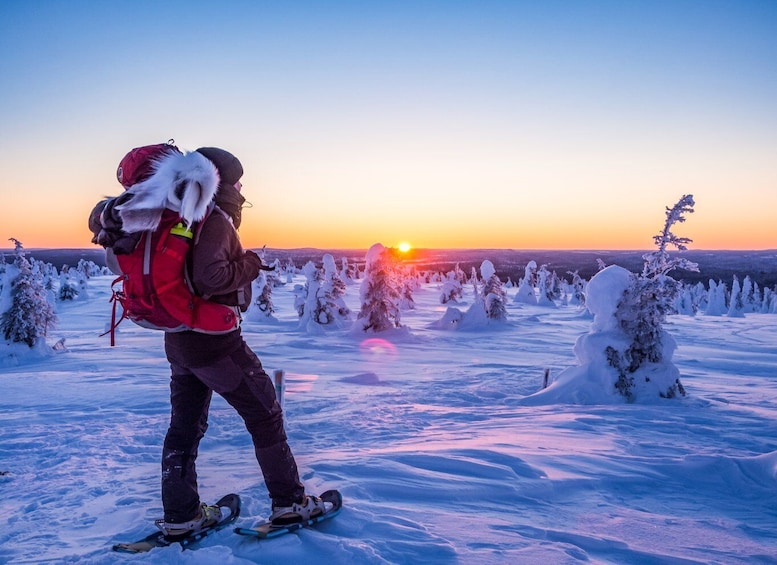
<point x="186" y="183"/>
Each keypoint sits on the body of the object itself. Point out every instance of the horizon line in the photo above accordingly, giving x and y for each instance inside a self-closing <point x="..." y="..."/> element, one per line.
<point x="415" y="249"/>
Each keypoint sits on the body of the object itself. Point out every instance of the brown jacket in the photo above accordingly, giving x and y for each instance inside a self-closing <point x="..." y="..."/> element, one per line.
<point x="221" y="270"/>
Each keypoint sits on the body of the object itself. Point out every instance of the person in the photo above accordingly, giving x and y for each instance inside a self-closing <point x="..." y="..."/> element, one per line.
<point x="203" y="363"/>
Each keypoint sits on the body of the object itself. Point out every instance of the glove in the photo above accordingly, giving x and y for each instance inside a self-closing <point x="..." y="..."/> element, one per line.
<point x="252" y="256"/>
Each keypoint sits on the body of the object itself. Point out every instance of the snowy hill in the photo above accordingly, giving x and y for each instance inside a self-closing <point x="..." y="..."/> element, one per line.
<point x="432" y="437"/>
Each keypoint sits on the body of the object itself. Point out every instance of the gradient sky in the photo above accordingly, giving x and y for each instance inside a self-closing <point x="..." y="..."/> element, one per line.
<point x="483" y="124"/>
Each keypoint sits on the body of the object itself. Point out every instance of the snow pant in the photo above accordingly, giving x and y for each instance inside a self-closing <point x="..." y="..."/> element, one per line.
<point x="240" y="379"/>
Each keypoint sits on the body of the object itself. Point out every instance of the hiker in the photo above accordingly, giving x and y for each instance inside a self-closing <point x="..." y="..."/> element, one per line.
<point x="202" y="362"/>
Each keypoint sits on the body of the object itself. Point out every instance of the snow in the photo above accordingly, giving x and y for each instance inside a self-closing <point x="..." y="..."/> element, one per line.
<point x="443" y="444"/>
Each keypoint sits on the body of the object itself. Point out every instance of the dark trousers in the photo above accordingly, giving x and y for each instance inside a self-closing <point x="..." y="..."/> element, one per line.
<point x="240" y="379"/>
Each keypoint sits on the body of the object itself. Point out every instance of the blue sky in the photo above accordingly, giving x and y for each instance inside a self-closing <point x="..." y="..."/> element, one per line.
<point x="449" y="124"/>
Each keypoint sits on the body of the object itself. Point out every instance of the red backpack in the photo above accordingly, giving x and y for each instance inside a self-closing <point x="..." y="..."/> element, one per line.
<point x="155" y="290"/>
<point x="138" y="164"/>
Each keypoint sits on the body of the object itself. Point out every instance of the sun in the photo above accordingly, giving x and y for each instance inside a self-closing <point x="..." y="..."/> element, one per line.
<point x="404" y="247"/>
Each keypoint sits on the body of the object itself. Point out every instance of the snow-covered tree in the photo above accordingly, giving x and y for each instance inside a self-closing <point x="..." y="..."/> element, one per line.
<point x="451" y="290"/>
<point x="333" y="289"/>
<point x="313" y="310"/>
<point x="525" y="294"/>
<point x="300" y="296"/>
<point x="684" y="303"/>
<point x="263" y="305"/>
<point x="751" y="295"/>
<point x="347" y="271"/>
<point x="577" y="290"/>
<point x="545" y="284"/>
<point x="29" y="315"/>
<point x="716" y="299"/>
<point x="406" y="300"/>
<point x="67" y="289"/>
<point x="769" y="301"/>
<point x="378" y="292"/>
<point x="736" y="307"/>
<point x="645" y="304"/>
<point x="494" y="296"/>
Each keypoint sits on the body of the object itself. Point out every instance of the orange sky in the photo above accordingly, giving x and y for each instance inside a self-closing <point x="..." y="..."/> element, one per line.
<point x="513" y="125"/>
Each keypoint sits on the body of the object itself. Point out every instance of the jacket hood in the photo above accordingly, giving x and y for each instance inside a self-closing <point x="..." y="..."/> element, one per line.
<point x="183" y="182"/>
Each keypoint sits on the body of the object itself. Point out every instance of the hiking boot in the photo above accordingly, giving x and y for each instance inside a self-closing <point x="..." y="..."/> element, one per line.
<point x="309" y="507"/>
<point x="208" y="516"/>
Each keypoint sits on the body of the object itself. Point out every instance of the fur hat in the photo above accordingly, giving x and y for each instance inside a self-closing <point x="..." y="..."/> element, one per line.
<point x="229" y="167"/>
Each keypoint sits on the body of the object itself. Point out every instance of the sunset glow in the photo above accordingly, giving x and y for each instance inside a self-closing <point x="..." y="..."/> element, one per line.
<point x="404" y="247"/>
<point x="547" y="126"/>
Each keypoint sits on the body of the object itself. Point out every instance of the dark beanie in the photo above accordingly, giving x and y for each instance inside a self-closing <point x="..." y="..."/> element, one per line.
<point x="229" y="167"/>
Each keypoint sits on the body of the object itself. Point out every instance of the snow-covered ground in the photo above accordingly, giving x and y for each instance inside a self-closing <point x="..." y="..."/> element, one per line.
<point x="429" y="435"/>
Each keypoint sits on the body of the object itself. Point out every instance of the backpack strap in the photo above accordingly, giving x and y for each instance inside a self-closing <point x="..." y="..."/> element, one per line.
<point x="193" y="233"/>
<point x="115" y="298"/>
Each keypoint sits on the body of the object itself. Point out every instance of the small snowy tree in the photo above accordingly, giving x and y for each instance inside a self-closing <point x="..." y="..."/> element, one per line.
<point x="333" y="292"/>
<point x="406" y="300"/>
<point x="67" y="289"/>
<point x="451" y="290"/>
<point x="546" y="284"/>
<point x="316" y="309"/>
<point x="577" y="291"/>
<point x="736" y="307"/>
<point x="716" y="299"/>
<point x="525" y="294"/>
<point x="30" y="315"/>
<point x="645" y="304"/>
<point x="494" y="296"/>
<point x="379" y="294"/>
<point x="263" y="296"/>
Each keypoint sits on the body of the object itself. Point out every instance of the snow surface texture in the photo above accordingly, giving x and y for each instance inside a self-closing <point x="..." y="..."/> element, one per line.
<point x="438" y="441"/>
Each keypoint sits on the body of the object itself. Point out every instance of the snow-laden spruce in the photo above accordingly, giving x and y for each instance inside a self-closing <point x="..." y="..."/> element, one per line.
<point x="27" y="314"/>
<point x="627" y="355"/>
<point x="379" y="293"/>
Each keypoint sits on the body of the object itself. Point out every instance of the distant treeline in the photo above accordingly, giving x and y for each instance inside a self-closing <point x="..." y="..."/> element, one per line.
<point x="761" y="266"/>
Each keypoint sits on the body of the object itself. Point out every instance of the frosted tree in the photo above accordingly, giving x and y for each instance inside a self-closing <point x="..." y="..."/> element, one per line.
<point x="736" y="307"/>
<point x="684" y="302"/>
<point x="379" y="294"/>
<point x="525" y="294"/>
<point x="769" y="302"/>
<point x="347" y="271"/>
<point x="287" y="269"/>
<point x="81" y="281"/>
<point x="67" y="289"/>
<point x="452" y="289"/>
<point x="333" y="292"/>
<point x="494" y="296"/>
<point x="89" y="268"/>
<point x="263" y="291"/>
<point x="300" y="296"/>
<point x="647" y="301"/>
<point x="460" y="275"/>
<point x="312" y="310"/>
<point x="545" y="285"/>
<point x="577" y="290"/>
<point x="716" y="299"/>
<point x="29" y="316"/>
<point x="751" y="295"/>
<point x="406" y="300"/>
